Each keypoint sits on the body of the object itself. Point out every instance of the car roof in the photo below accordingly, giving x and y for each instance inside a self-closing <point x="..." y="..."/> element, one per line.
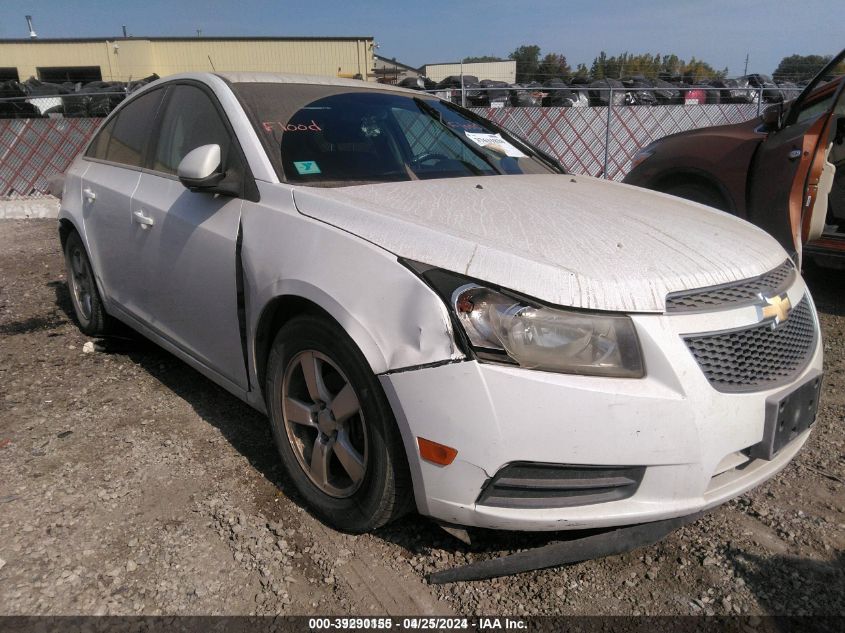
<point x="291" y="78"/>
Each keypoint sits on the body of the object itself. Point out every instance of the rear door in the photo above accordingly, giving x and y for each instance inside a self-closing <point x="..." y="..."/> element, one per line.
<point x="786" y="171"/>
<point x="115" y="160"/>
<point x="186" y="241"/>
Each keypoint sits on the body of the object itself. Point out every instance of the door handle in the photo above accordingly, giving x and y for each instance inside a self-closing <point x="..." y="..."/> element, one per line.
<point x="145" y="221"/>
<point x="89" y="194"/>
<point x="796" y="153"/>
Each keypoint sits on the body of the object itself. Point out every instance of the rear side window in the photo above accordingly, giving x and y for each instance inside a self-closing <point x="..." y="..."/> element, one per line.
<point x="124" y="139"/>
<point x="190" y="120"/>
<point x="100" y="144"/>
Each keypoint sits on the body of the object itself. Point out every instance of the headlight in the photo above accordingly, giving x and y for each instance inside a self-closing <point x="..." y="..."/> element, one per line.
<point x="507" y="328"/>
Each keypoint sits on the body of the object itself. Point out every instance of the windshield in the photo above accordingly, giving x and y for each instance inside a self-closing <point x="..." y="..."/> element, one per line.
<point x="332" y="136"/>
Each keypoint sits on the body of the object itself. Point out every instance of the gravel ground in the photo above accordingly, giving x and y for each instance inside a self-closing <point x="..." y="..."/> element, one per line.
<point x="130" y="484"/>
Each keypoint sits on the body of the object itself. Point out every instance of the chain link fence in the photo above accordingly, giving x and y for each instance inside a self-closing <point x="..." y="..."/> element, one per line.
<point x="34" y="150"/>
<point x="601" y="140"/>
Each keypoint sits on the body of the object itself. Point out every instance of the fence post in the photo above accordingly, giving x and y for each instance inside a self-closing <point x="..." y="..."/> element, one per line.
<point x="607" y="131"/>
<point x="759" y="100"/>
<point x="463" y="92"/>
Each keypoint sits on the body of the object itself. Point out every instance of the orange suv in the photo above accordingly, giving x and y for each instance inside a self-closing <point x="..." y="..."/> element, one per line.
<point x="784" y="170"/>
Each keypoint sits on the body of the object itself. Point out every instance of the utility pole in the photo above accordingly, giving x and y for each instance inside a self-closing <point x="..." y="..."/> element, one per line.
<point x="746" y="65"/>
<point x="124" y="30"/>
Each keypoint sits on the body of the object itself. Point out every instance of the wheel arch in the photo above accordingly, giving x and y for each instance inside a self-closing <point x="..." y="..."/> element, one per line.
<point x="66" y="227"/>
<point x="694" y="177"/>
<point x="285" y="306"/>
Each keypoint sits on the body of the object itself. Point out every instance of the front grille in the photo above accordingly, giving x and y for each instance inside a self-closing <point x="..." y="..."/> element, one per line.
<point x="734" y="294"/>
<point x="758" y="357"/>
<point x="537" y="485"/>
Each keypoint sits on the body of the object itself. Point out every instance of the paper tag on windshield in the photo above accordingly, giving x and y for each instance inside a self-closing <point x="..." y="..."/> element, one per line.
<point x="494" y="142"/>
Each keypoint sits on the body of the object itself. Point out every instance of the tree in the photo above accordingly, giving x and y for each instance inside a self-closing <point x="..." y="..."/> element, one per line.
<point x="800" y="67"/>
<point x="527" y="58"/>
<point x="597" y="70"/>
<point x="648" y="65"/>
<point x="697" y="70"/>
<point x="554" y="65"/>
<point x="482" y="59"/>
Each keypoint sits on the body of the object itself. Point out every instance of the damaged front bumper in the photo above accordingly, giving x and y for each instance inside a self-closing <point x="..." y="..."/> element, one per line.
<point x="670" y="444"/>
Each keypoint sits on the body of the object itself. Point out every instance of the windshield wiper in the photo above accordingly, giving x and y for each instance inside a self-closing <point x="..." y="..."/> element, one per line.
<point x="434" y="113"/>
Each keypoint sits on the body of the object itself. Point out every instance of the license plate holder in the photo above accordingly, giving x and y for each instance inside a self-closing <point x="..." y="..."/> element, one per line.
<point x="788" y="415"/>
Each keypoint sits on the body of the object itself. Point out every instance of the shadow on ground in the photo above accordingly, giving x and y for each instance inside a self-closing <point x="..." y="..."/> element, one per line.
<point x="797" y="586"/>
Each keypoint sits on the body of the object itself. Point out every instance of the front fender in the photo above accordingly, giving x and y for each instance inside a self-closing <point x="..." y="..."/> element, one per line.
<point x="391" y="315"/>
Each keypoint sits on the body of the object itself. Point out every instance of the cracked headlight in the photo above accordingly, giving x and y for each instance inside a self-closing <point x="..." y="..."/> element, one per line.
<point x="500" y="326"/>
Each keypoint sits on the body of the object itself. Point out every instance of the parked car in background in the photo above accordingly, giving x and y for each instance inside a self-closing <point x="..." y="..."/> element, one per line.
<point x="784" y="171"/>
<point x="433" y="314"/>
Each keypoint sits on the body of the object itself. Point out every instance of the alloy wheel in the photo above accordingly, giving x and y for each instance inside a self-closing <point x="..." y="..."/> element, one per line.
<point x="82" y="283"/>
<point x="324" y="424"/>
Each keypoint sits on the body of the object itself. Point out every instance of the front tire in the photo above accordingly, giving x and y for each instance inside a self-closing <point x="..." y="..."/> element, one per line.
<point x="334" y="428"/>
<point x="87" y="304"/>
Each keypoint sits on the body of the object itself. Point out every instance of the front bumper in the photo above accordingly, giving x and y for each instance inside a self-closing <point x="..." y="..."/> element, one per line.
<point x="688" y="436"/>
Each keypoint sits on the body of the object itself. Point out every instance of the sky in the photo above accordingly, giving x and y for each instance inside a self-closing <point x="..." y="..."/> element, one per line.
<point x="720" y="32"/>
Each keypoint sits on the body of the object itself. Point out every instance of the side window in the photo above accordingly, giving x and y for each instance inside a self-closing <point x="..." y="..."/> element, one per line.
<point x="190" y="120"/>
<point x="100" y="145"/>
<point x="812" y="110"/>
<point x="132" y="129"/>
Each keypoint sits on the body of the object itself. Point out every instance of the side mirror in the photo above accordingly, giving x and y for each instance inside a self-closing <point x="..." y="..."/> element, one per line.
<point x="772" y="116"/>
<point x="200" y="170"/>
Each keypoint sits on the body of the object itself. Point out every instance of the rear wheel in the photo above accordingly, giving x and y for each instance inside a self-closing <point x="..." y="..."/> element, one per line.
<point x="87" y="304"/>
<point x="696" y="192"/>
<point x="334" y="428"/>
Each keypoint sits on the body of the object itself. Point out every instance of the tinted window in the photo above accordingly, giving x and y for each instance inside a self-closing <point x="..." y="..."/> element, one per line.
<point x="190" y="120"/>
<point x="100" y="145"/>
<point x="812" y="110"/>
<point x="132" y="129"/>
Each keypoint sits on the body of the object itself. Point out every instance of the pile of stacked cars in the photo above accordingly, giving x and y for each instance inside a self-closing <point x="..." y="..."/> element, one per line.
<point x="35" y="99"/>
<point x="573" y="92"/>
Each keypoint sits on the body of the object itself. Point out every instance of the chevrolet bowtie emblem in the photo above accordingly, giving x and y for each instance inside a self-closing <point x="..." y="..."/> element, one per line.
<point x="776" y="307"/>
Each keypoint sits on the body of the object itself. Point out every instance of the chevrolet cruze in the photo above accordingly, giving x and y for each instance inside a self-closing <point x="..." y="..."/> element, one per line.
<point x="433" y="313"/>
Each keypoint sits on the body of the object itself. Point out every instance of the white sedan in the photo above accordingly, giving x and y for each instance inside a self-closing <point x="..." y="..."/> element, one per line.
<point x="433" y="314"/>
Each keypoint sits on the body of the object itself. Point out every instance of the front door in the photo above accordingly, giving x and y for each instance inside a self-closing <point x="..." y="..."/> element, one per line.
<point x="186" y="241"/>
<point x="787" y="174"/>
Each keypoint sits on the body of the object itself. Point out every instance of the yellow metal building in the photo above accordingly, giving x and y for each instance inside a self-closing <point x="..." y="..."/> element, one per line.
<point x="124" y="59"/>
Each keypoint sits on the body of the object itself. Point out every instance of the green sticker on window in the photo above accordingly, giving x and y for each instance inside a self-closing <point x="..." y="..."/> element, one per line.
<point x="306" y="167"/>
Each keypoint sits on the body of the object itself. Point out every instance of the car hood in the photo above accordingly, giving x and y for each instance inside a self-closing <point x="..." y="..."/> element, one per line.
<point x="567" y="240"/>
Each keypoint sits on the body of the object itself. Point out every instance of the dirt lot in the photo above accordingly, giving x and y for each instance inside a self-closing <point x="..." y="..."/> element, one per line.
<point x="130" y="484"/>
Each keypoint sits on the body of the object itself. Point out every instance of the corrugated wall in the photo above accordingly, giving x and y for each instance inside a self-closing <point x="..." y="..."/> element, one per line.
<point x="497" y="71"/>
<point x="121" y="60"/>
<point x="308" y="57"/>
<point x="27" y="56"/>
